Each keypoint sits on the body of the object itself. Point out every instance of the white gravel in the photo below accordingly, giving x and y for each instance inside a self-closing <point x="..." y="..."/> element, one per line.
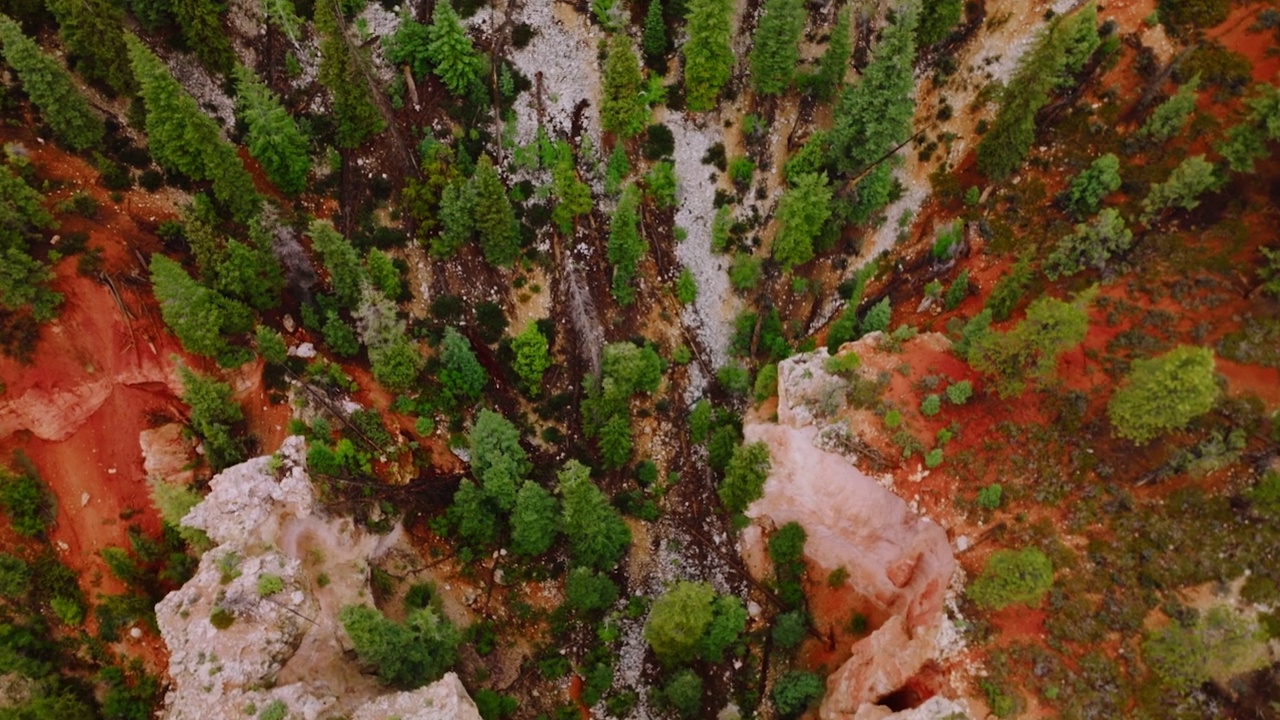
<point x="566" y="57"/>
<point x="711" y="315"/>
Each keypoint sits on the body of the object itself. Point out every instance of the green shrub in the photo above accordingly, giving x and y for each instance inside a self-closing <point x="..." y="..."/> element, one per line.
<point x="27" y="502"/>
<point x="789" y="630"/>
<point x="275" y="710"/>
<point x="958" y="393"/>
<point x="683" y="692"/>
<point x="931" y="405"/>
<point x="221" y="618"/>
<point x="990" y="496"/>
<point x="1164" y="393"/>
<point x="933" y="458"/>
<point x="1012" y="576"/>
<point x="269" y="584"/>
<point x="406" y="655"/>
<point x="796" y="691"/>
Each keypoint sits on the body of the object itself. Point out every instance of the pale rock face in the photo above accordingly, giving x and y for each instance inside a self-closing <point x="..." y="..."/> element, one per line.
<point x="288" y="646"/>
<point x="166" y="453"/>
<point x="935" y="708"/>
<point x="901" y="561"/>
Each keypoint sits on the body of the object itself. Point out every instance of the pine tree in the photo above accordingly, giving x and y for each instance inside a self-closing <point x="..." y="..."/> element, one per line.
<point x="1164" y="393"/>
<point x="346" y="274"/>
<point x="95" y="41"/>
<point x="655" y="31"/>
<point x="51" y="89"/>
<point x="345" y="71"/>
<point x="708" y="57"/>
<point x="249" y="274"/>
<point x="457" y="217"/>
<point x="533" y="521"/>
<point x="383" y="273"/>
<point x="184" y="139"/>
<point x="213" y="412"/>
<point x="937" y="18"/>
<point x="777" y="46"/>
<point x="626" y="246"/>
<point x="622" y="109"/>
<point x="495" y="219"/>
<point x="273" y="137"/>
<point x="532" y="357"/>
<point x="1193" y="177"/>
<point x="875" y="115"/>
<point x="455" y="59"/>
<point x="803" y="209"/>
<point x="462" y="376"/>
<point x="597" y="535"/>
<point x="203" y="32"/>
<point x="198" y="316"/>
<point x="497" y="459"/>
<point x="1171" y="116"/>
<point x="835" y="61"/>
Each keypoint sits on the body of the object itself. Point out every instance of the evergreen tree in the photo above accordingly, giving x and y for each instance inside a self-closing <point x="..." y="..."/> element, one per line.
<point x="616" y="442"/>
<point x="411" y="45"/>
<point x="396" y="364"/>
<point x="184" y="139"/>
<point x="456" y="62"/>
<point x="462" y="376"/>
<point x="803" y="209"/>
<point x="346" y="274"/>
<point x="1090" y="246"/>
<point x="1087" y="190"/>
<point x="834" y="63"/>
<point x="877" y="318"/>
<point x="597" y="535"/>
<point x="1164" y="393"/>
<point x="1032" y="348"/>
<point x="213" y="412"/>
<point x="1247" y="141"/>
<point x="473" y="515"/>
<point x="197" y="315"/>
<point x="874" y="116"/>
<point x="622" y="107"/>
<point x="273" y="138"/>
<point x="406" y="656"/>
<point x="937" y="18"/>
<point x="573" y="196"/>
<point x="1193" y="177"/>
<point x="744" y="477"/>
<point x="51" y="89"/>
<point x="654" y="40"/>
<point x="1059" y="50"/>
<point x="626" y="246"/>
<point x="678" y="620"/>
<point x="457" y="217"/>
<point x="346" y="72"/>
<point x="495" y="220"/>
<point x="708" y="57"/>
<point x="203" y="32"/>
<point x="95" y="40"/>
<point x="533" y="521"/>
<point x="1171" y="116"/>
<point x="497" y="460"/>
<point x="249" y="274"/>
<point x="776" y="49"/>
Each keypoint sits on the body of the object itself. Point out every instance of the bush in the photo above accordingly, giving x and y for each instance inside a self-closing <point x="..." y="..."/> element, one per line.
<point x="990" y="496"/>
<point x="931" y="405"/>
<point x="958" y="393"/>
<point x="275" y="710"/>
<point x="1012" y="576"/>
<point x="933" y="458"/>
<point x="683" y="692"/>
<point x="789" y="630"/>
<point x="408" y="655"/>
<point x="269" y="584"/>
<point x="27" y="502"/>
<point x="796" y="691"/>
<point x="1164" y="393"/>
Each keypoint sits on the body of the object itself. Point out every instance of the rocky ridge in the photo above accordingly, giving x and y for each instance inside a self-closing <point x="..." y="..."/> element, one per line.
<point x="256" y="625"/>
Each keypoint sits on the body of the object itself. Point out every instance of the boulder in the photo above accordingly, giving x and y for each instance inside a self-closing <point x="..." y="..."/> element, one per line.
<point x="444" y="699"/>
<point x="881" y="663"/>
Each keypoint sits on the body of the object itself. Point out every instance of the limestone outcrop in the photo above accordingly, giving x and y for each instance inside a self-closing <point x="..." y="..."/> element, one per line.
<point x="901" y="562"/>
<point x="256" y="625"/>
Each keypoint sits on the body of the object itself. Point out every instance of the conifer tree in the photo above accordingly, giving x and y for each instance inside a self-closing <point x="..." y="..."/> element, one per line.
<point x="495" y="219"/>
<point x="456" y="62"/>
<point x="937" y="18"/>
<point x="457" y="217"/>
<point x="1164" y="393"/>
<point x="708" y="57"/>
<point x="184" y="139"/>
<point x="346" y="274"/>
<point x="835" y="61"/>
<point x="654" y="40"/>
<point x="622" y="109"/>
<point x="1171" y="116"/>
<point x="776" y="50"/>
<point x="203" y="32"/>
<point x="273" y="137"/>
<point x="1193" y="177"/>
<point x="344" y="70"/>
<point x="532" y="357"/>
<point x="533" y="521"/>
<point x="597" y="535"/>
<point x="94" y="38"/>
<point x="875" y="115"/>
<point x="803" y="209"/>
<point x="198" y="316"/>
<point x="626" y="246"/>
<point x="462" y="376"/>
<point x="51" y="89"/>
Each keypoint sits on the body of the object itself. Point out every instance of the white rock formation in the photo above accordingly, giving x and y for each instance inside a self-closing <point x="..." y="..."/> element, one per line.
<point x="900" y="561"/>
<point x="277" y="639"/>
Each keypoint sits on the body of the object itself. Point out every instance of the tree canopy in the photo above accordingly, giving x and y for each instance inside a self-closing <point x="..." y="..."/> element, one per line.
<point x="1164" y="393"/>
<point x="708" y="57"/>
<point x="51" y="89"/>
